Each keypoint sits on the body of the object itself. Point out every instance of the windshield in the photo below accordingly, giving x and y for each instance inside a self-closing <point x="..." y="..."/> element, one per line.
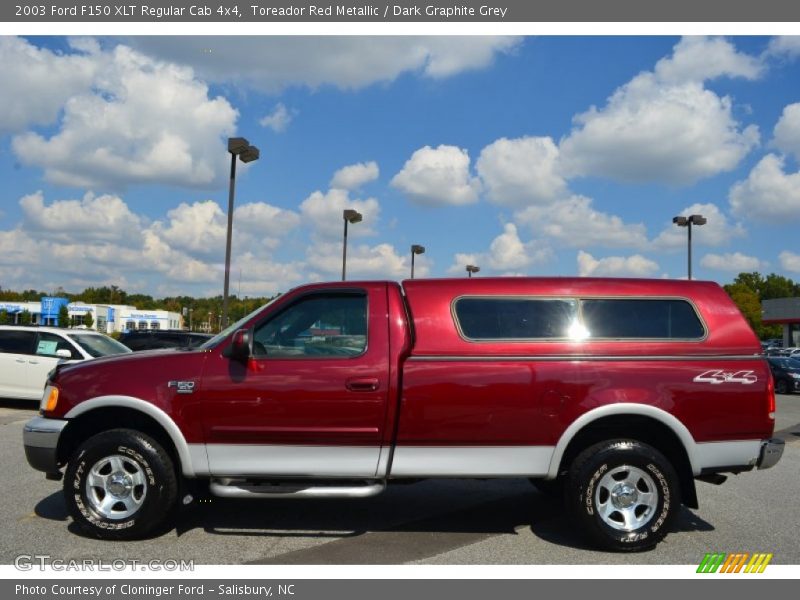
<point x="229" y="329"/>
<point x="97" y="345"/>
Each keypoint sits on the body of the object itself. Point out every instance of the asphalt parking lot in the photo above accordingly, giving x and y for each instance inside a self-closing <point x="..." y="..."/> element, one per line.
<point x="429" y="522"/>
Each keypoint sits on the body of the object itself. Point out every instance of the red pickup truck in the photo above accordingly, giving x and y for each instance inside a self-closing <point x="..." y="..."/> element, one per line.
<point x="618" y="393"/>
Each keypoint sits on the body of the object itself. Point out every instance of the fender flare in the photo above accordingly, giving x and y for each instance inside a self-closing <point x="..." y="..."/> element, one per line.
<point x="189" y="459"/>
<point x="662" y="416"/>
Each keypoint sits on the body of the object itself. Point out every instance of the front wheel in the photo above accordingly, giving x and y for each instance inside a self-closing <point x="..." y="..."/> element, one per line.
<point x="120" y="484"/>
<point x="624" y="493"/>
<point x="781" y="387"/>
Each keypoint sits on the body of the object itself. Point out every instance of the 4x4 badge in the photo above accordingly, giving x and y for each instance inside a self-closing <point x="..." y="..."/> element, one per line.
<point x="719" y="376"/>
<point x="182" y="387"/>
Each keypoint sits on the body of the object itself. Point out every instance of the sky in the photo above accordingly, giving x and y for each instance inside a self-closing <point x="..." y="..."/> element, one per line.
<point x="541" y="155"/>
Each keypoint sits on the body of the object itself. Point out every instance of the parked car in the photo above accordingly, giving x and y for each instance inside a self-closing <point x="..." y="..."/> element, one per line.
<point x="28" y="354"/>
<point x="786" y="373"/>
<point x="623" y="391"/>
<point x="776" y="351"/>
<point x="162" y="338"/>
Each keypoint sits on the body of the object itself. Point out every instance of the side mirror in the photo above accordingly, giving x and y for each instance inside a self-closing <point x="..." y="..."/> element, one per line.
<point x="63" y="353"/>
<point x="240" y="347"/>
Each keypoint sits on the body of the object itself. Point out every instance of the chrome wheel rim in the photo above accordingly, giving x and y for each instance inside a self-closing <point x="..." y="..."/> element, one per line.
<point x="626" y="498"/>
<point x="116" y="487"/>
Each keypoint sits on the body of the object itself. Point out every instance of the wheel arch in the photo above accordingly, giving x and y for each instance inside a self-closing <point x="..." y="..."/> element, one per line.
<point x="644" y="423"/>
<point x="111" y="412"/>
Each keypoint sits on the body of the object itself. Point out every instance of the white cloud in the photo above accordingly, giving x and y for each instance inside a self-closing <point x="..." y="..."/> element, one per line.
<point x="697" y="58"/>
<point x="575" y="222"/>
<point x="438" y="176"/>
<point x="143" y="121"/>
<point x="324" y="213"/>
<point x="768" y="194"/>
<point x="262" y="276"/>
<point x="507" y="254"/>
<point x="92" y="218"/>
<point x="790" y="261"/>
<point x="35" y="83"/>
<point x="665" y="126"/>
<point x="272" y="63"/>
<point x="718" y="231"/>
<point x="735" y="262"/>
<point x="98" y="240"/>
<point x="785" y="45"/>
<point x="615" y="266"/>
<point x="199" y="228"/>
<point x="366" y="262"/>
<point x="354" y="176"/>
<point x="278" y="120"/>
<point x="521" y="171"/>
<point x="260" y="219"/>
<point x="787" y="130"/>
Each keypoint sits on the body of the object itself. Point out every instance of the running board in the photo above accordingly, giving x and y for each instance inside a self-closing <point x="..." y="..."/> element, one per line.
<point x="250" y="489"/>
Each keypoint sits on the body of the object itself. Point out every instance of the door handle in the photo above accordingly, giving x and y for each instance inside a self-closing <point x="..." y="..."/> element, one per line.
<point x="362" y="384"/>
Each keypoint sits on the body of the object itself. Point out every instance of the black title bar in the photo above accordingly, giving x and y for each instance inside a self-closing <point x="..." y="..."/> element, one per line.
<point x="511" y="11"/>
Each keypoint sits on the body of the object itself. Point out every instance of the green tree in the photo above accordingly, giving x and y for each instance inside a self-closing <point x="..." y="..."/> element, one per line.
<point x="88" y="320"/>
<point x="753" y="281"/>
<point x="4" y="317"/>
<point x="777" y="286"/>
<point x="63" y="316"/>
<point x="25" y="318"/>
<point x="748" y="303"/>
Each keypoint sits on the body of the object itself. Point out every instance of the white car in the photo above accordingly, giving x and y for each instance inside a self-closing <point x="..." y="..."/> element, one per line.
<point x="28" y="354"/>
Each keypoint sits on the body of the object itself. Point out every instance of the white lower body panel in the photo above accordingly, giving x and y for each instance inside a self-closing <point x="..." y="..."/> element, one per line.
<point x="711" y="455"/>
<point x="292" y="461"/>
<point x="231" y="460"/>
<point x="471" y="461"/>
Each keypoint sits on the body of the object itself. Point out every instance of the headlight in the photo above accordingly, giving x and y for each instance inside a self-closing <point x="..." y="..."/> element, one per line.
<point x="795" y="375"/>
<point x="49" y="399"/>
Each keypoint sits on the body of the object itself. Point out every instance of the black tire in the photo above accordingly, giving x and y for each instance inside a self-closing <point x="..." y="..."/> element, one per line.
<point x="624" y="495"/>
<point x="781" y="387"/>
<point x="136" y="489"/>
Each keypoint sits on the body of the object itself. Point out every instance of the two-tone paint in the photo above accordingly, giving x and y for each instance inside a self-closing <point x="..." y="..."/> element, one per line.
<point x="422" y="400"/>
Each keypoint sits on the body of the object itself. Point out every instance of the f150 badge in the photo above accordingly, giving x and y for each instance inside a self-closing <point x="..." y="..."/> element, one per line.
<point x="182" y="387"/>
<point x="718" y="376"/>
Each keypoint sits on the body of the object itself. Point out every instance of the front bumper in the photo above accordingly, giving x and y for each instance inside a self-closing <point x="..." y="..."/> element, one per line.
<point x="40" y="437"/>
<point x="771" y="452"/>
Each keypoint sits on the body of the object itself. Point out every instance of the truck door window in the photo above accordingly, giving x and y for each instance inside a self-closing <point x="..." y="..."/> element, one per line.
<point x="510" y="318"/>
<point x="324" y="325"/>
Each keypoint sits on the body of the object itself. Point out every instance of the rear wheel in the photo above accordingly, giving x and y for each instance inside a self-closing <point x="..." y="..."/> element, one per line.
<point x="624" y="493"/>
<point x="120" y="484"/>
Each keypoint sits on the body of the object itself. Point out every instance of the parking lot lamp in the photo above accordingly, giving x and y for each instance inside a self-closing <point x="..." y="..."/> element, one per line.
<point x="236" y="147"/>
<point x="472" y="269"/>
<point x="688" y="222"/>
<point x="415" y="249"/>
<point x="350" y="216"/>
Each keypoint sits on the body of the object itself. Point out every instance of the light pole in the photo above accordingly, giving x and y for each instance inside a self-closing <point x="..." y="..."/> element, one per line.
<point x="688" y="222"/>
<point x="350" y="216"/>
<point x="472" y="269"/>
<point x="415" y="249"/>
<point x="236" y="147"/>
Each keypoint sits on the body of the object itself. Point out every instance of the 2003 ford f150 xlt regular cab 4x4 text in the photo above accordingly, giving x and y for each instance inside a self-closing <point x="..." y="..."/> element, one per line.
<point x="618" y="392"/>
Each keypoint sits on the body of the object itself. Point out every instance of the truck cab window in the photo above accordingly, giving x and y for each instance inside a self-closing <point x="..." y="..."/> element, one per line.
<point x="331" y="326"/>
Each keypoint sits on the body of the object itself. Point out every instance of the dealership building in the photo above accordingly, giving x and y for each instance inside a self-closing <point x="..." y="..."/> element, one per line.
<point x="786" y="312"/>
<point x="105" y="318"/>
